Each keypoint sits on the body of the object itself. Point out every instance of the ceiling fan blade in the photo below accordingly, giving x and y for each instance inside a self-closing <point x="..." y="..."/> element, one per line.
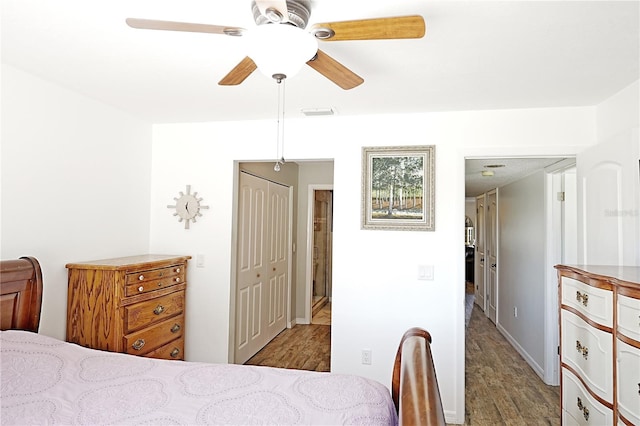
<point x="150" y="24"/>
<point x="371" y="29"/>
<point x="335" y="71"/>
<point x="239" y="73"/>
<point x="274" y="10"/>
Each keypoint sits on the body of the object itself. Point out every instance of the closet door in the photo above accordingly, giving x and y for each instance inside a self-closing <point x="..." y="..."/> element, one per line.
<point x="251" y="286"/>
<point x="262" y="288"/>
<point x="278" y="260"/>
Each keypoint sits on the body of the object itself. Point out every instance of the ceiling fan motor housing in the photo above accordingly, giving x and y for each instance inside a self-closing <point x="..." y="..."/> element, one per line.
<point x="299" y="12"/>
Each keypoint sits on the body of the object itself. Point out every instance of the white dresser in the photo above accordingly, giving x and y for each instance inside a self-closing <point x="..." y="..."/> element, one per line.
<point x="600" y="344"/>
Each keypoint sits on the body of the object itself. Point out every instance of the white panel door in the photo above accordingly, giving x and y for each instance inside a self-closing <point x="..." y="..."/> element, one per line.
<point x="492" y="255"/>
<point x="251" y="278"/>
<point x="479" y="261"/>
<point x="609" y="202"/>
<point x="278" y="260"/>
<point x="262" y="288"/>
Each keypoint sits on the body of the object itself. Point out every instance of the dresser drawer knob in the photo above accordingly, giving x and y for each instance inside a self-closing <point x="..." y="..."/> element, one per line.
<point x="159" y="283"/>
<point x="582" y="298"/>
<point x="175" y="328"/>
<point x="141" y="288"/>
<point x="138" y="344"/>
<point x="177" y="279"/>
<point x="141" y="277"/>
<point x="177" y="270"/>
<point x="174" y="353"/>
<point x="158" y="310"/>
<point x="582" y="349"/>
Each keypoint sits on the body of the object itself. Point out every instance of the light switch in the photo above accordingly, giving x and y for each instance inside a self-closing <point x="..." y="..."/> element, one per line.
<point x="425" y="272"/>
<point x="200" y="261"/>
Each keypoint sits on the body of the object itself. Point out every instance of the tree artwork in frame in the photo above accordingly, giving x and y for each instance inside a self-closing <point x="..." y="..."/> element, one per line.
<point x="398" y="188"/>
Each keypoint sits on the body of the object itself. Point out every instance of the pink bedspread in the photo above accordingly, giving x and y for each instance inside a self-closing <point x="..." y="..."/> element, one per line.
<point x="47" y="381"/>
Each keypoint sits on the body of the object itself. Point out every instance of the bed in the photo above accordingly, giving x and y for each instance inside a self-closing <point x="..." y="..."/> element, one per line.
<point x="49" y="381"/>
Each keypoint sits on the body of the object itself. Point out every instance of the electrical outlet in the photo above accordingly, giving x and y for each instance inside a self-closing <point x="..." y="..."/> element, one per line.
<point x="515" y="311"/>
<point x="366" y="356"/>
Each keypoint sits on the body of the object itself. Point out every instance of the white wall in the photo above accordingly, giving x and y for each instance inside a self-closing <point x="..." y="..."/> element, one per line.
<point x="376" y="294"/>
<point x="75" y="183"/>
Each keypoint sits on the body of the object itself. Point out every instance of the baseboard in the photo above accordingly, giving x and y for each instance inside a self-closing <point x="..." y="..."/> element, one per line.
<point x="451" y="418"/>
<point x="537" y="368"/>
<point x="301" y="321"/>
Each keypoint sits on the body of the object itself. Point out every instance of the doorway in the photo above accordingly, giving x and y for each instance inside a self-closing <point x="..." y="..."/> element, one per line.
<point x="262" y="270"/>
<point x="322" y="237"/>
<point x="520" y="292"/>
<point x="320" y="253"/>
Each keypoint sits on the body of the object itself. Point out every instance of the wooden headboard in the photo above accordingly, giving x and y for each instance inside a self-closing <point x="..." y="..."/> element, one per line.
<point x="20" y="294"/>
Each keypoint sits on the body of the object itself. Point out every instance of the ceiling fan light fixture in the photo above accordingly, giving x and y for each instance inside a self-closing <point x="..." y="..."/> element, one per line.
<point x="280" y="48"/>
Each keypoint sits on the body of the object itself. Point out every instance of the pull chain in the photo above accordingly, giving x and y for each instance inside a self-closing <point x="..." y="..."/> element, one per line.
<point x="280" y="79"/>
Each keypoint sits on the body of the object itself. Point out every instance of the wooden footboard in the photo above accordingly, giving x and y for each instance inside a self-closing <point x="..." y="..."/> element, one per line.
<point x="20" y="294"/>
<point x="414" y="384"/>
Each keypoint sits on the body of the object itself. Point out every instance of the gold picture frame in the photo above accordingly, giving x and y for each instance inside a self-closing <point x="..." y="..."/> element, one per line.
<point x="398" y="188"/>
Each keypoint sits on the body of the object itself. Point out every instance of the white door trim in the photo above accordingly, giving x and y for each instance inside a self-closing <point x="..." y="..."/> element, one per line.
<point x="308" y="294"/>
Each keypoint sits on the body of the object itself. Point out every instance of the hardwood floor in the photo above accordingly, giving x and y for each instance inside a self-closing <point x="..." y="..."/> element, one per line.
<point x="501" y="388"/>
<point x="302" y="347"/>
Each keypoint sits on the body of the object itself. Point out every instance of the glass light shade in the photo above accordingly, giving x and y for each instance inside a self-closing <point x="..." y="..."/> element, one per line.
<point x="280" y="48"/>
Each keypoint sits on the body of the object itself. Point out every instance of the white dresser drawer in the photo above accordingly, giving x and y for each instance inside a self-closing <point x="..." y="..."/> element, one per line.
<point x="589" y="352"/>
<point x="629" y="317"/>
<point x="629" y="382"/>
<point x="579" y="407"/>
<point x="593" y="302"/>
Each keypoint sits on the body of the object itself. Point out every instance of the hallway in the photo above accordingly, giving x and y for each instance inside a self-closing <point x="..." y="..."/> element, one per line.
<point x="500" y="387"/>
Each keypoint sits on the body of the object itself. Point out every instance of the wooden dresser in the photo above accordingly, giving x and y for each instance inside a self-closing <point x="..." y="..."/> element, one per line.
<point x="600" y="344"/>
<point x="130" y="304"/>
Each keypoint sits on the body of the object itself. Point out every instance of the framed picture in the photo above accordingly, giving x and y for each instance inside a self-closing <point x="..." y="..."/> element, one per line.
<point x="398" y="185"/>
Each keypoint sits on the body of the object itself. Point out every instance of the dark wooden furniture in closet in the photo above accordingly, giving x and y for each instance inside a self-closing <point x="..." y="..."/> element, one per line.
<point x="130" y="304"/>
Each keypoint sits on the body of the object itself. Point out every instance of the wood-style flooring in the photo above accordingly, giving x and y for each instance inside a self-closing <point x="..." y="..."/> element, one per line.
<point x="501" y="388"/>
<point x="302" y="347"/>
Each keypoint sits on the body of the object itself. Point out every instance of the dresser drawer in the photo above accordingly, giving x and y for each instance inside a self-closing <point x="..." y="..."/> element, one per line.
<point x="629" y="317"/>
<point x="593" y="302"/>
<point x="149" y="339"/>
<point x="579" y="407"/>
<point x="629" y="382"/>
<point x="173" y="350"/>
<point x="144" y="281"/>
<point x="589" y="352"/>
<point x="152" y="311"/>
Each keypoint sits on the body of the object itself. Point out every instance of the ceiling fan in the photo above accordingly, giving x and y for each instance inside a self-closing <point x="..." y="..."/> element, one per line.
<point x="279" y="45"/>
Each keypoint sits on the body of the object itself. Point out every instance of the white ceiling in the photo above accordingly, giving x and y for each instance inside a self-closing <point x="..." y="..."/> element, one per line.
<point x="475" y="55"/>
